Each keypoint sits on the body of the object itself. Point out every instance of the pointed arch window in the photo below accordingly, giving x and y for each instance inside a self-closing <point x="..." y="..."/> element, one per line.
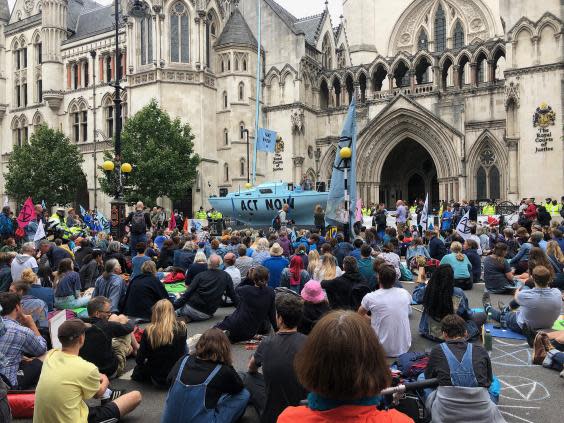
<point x="245" y="65"/>
<point x="481" y="184"/>
<point x="458" y="36"/>
<point x="225" y="102"/>
<point x="241" y="131"/>
<point x="488" y="178"/>
<point x="422" y="40"/>
<point x="146" y="38"/>
<point x="242" y="167"/>
<point x="225" y="137"/>
<point x="236" y="64"/>
<point x="440" y="30"/>
<point x="211" y="36"/>
<point x="241" y="91"/>
<point x="179" y="34"/>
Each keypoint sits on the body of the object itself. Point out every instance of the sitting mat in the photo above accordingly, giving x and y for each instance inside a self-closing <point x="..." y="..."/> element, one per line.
<point x="558" y="325"/>
<point x="175" y="287"/>
<point x="504" y="333"/>
<point x="478" y="310"/>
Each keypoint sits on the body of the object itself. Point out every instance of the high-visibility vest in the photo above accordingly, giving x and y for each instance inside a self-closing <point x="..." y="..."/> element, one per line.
<point x="488" y="210"/>
<point x="412" y="210"/>
<point x="200" y="214"/>
<point x="365" y="211"/>
<point x="555" y="209"/>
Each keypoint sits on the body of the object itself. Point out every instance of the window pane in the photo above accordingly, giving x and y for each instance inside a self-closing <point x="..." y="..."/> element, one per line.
<point x="143" y="42"/>
<point x="25" y="94"/>
<point x="149" y="40"/>
<point x="481" y="184"/>
<point x="422" y="41"/>
<point x="495" y="191"/>
<point x="440" y="35"/>
<point x="458" y="36"/>
<point x="174" y="38"/>
<point x="185" y="38"/>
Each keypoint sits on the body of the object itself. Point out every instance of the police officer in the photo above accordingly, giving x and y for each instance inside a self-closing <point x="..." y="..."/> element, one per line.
<point x="201" y="214"/>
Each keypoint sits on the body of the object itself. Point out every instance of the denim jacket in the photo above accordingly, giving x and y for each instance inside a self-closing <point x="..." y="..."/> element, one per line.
<point x="430" y="327"/>
<point x="522" y="254"/>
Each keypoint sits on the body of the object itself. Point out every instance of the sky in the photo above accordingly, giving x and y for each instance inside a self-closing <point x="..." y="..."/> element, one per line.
<point x="298" y="8"/>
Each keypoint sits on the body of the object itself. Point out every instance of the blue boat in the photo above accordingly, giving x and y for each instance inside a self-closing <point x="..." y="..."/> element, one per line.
<point x="258" y="206"/>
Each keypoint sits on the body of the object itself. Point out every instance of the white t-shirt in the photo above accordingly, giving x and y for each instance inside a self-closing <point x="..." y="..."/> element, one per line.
<point x="390" y="309"/>
<point x="235" y="275"/>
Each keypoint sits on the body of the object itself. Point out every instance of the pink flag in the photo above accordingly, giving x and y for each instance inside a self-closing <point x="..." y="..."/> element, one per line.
<point x="27" y="213"/>
<point x="172" y="222"/>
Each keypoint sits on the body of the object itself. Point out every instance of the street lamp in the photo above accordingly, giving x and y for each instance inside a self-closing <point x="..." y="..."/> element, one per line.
<point x="345" y="153"/>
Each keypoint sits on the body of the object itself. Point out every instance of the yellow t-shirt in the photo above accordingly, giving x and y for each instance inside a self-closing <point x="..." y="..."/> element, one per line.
<point x="66" y="381"/>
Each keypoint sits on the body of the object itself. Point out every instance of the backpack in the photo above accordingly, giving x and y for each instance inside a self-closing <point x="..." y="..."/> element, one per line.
<point x="138" y="225"/>
<point x="412" y="364"/>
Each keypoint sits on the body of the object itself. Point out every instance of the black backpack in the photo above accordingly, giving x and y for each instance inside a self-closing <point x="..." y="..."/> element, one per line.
<point x="138" y="225"/>
<point x="277" y="222"/>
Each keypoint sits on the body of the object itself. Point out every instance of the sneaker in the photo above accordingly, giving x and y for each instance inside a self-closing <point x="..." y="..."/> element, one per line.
<point x="116" y="393"/>
<point x="539" y="350"/>
<point x="486" y="301"/>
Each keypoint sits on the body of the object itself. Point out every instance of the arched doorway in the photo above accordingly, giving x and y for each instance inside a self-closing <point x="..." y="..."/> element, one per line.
<point x="408" y="173"/>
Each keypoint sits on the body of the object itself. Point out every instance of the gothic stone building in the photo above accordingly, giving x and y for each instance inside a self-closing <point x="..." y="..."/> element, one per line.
<point x="458" y="98"/>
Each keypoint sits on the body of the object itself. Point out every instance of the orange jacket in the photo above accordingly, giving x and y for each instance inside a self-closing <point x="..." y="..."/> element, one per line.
<point x="343" y="414"/>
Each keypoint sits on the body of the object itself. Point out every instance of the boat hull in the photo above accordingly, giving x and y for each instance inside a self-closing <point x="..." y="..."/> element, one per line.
<point x="260" y="210"/>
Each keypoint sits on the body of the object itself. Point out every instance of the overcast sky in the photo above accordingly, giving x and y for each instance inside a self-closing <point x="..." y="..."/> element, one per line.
<point x="298" y="8"/>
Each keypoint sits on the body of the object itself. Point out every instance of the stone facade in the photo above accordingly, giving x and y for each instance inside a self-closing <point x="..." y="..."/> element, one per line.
<point x="458" y="98"/>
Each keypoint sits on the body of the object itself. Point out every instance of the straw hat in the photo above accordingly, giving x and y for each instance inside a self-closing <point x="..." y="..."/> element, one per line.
<point x="276" y="250"/>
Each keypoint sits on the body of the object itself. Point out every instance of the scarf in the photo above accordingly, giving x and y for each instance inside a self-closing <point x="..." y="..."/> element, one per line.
<point x="318" y="403"/>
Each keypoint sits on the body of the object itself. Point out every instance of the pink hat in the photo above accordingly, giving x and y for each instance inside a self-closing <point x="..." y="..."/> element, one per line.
<point x="313" y="293"/>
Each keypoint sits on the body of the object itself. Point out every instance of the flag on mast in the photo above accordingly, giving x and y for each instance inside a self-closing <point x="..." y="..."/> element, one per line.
<point x="425" y="214"/>
<point x="463" y="227"/>
<point x="336" y="200"/>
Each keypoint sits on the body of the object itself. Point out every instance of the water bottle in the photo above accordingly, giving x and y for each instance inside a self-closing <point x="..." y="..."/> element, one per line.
<point x="487" y="340"/>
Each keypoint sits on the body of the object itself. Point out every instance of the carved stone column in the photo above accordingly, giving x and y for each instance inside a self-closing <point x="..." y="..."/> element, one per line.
<point x="535" y="41"/>
<point x="298" y="162"/>
<point x="513" y="146"/>
<point x="456" y="77"/>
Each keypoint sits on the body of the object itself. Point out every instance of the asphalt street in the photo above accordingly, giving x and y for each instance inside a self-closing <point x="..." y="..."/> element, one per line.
<point x="530" y="394"/>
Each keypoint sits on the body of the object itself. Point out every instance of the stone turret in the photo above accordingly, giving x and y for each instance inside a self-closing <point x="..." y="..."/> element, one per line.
<point x="54" y="25"/>
<point x="4" y="18"/>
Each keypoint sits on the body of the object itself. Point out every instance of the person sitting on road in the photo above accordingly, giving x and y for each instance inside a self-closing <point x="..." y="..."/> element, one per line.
<point x="111" y="285"/>
<point x="439" y="298"/>
<point x="538" y="308"/>
<point x="67" y="289"/>
<point x="21" y="338"/>
<point x="277" y="387"/>
<point x="464" y="373"/>
<point x="67" y="381"/>
<point x="346" y="291"/>
<point x="204" y="295"/>
<point x="33" y="306"/>
<point x="349" y="391"/>
<point x="460" y="265"/>
<point x="184" y="257"/>
<point x="109" y="339"/>
<point x="163" y="343"/>
<point x="256" y="305"/>
<point x="204" y="385"/>
<point x="139" y="259"/>
<point x="143" y="292"/>
<point x="200" y="265"/>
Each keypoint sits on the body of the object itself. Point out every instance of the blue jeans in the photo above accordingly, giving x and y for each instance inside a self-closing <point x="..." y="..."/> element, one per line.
<point x="509" y="316"/>
<point x="230" y="407"/>
<point x="134" y="239"/>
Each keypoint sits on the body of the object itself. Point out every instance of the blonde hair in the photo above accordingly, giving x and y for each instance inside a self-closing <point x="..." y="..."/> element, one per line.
<point x="456" y="248"/>
<point x="163" y="326"/>
<point x="553" y="249"/>
<point x="262" y="244"/>
<point x="313" y="261"/>
<point x="328" y="267"/>
<point x="200" y="258"/>
<point x="28" y="276"/>
<point x="149" y="267"/>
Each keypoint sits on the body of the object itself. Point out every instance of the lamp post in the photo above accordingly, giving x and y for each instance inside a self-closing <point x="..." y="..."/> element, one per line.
<point x="117" y="204"/>
<point x="346" y="153"/>
<point x="317" y="156"/>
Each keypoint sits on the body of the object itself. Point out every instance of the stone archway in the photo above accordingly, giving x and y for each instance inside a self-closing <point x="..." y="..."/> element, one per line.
<point x="405" y="129"/>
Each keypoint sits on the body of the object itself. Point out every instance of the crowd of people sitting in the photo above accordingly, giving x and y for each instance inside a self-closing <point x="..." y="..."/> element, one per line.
<point x="311" y="299"/>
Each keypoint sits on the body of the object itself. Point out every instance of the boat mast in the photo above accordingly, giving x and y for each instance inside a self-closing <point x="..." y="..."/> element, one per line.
<point x="258" y="93"/>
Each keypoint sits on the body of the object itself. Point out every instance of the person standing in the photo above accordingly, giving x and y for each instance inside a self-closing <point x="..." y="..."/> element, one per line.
<point x="25" y="260"/>
<point x="319" y="218"/>
<point x="139" y="222"/>
<point x="67" y="380"/>
<point x="401" y="216"/>
<point x="6" y="223"/>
